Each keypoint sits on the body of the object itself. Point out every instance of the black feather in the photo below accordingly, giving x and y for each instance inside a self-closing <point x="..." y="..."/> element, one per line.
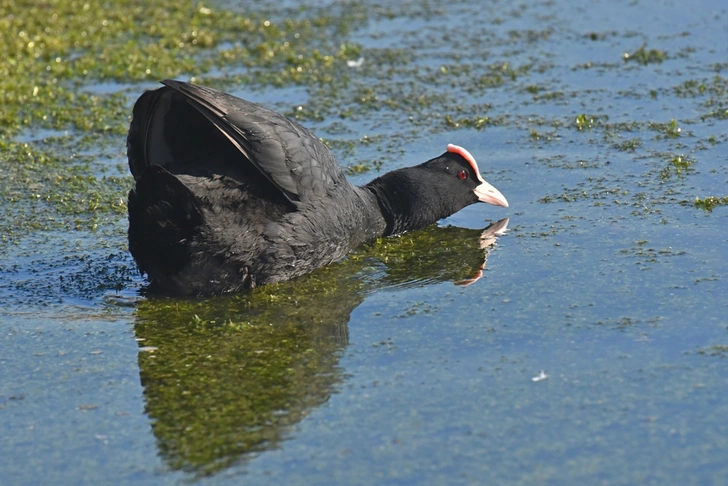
<point x="230" y="195"/>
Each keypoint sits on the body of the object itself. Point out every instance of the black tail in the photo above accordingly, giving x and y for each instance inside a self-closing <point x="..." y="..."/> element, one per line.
<point x="136" y="140"/>
<point x="164" y="217"/>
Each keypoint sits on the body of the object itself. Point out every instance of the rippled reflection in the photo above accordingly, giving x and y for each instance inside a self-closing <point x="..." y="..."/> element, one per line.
<point x="226" y="377"/>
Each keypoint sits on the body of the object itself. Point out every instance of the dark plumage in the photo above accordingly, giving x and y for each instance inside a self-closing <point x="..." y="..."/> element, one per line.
<point x="230" y="195"/>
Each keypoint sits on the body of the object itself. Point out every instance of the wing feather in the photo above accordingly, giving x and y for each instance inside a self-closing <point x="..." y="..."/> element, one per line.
<point x="286" y="153"/>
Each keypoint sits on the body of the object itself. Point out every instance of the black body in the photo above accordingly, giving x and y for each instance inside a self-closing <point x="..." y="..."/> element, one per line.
<point x="230" y="195"/>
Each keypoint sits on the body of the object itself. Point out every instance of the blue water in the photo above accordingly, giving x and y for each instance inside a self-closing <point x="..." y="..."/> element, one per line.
<point x="610" y="281"/>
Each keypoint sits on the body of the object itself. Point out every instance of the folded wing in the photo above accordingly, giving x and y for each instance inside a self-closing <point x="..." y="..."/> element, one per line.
<point x="290" y="157"/>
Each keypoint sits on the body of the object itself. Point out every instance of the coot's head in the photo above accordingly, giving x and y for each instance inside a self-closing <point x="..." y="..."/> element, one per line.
<point x="458" y="175"/>
<point x="414" y="197"/>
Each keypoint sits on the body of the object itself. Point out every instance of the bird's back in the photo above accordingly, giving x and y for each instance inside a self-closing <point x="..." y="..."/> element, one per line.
<point x="230" y="195"/>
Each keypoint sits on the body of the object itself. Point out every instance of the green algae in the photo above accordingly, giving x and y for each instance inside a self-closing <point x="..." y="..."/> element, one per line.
<point x="69" y="44"/>
<point x="709" y="203"/>
<point x="231" y="377"/>
<point x="477" y="122"/>
<point x="228" y="376"/>
<point x="56" y="50"/>
<point x="586" y="122"/>
<point x="720" y="350"/>
<point x="712" y="94"/>
<point x="52" y="49"/>
<point x="677" y="164"/>
<point x="218" y="392"/>
<point x="48" y="188"/>
<point x="645" y="56"/>
<point x="669" y="129"/>
<point x="629" y="145"/>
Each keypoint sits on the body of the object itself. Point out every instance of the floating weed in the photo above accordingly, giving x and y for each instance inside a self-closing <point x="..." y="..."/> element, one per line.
<point x="477" y="122"/>
<point x="646" y="254"/>
<point x="49" y="186"/>
<point x="714" y="94"/>
<point x="717" y="86"/>
<point x="497" y="75"/>
<point x="629" y="145"/>
<point x="347" y="147"/>
<point x="362" y="167"/>
<point x="549" y="96"/>
<point x="669" y="129"/>
<point x="691" y="87"/>
<point x="623" y="127"/>
<point x="623" y="323"/>
<point x="721" y="113"/>
<point x="52" y="48"/>
<point x="677" y="164"/>
<point x="545" y="136"/>
<point x="644" y="56"/>
<point x="720" y="350"/>
<point x="711" y="202"/>
<point x="587" y="122"/>
<point x="682" y="163"/>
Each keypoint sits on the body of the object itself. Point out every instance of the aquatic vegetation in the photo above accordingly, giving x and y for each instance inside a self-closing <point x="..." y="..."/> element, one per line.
<point x="720" y="350"/>
<point x="242" y="382"/>
<point x="678" y="165"/>
<point x="52" y="49"/>
<point x="48" y="186"/>
<point x="478" y="122"/>
<point x="587" y="122"/>
<point x="629" y="145"/>
<point x="670" y="129"/>
<point x="712" y="93"/>
<point x="710" y="202"/>
<point x="644" y="56"/>
<point x="226" y="376"/>
<point x="68" y="65"/>
<point x="610" y="247"/>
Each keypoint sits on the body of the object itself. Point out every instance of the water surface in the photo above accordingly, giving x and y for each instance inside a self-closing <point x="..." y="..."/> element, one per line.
<point x="601" y="122"/>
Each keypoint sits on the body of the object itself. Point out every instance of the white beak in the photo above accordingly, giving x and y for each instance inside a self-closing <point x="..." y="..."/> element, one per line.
<point x="489" y="194"/>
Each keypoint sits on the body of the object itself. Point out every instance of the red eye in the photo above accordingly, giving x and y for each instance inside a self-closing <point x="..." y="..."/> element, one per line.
<point x="462" y="175"/>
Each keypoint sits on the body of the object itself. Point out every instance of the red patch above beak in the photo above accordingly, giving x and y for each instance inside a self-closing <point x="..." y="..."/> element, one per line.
<point x="485" y="192"/>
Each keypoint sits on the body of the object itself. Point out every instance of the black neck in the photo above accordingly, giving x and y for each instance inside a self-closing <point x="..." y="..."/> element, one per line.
<point x="407" y="201"/>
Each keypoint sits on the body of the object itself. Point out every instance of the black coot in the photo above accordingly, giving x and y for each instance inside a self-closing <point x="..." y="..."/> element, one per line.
<point x="230" y="195"/>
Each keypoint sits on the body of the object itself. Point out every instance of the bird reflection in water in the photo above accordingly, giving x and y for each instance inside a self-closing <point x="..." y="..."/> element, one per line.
<point x="227" y="377"/>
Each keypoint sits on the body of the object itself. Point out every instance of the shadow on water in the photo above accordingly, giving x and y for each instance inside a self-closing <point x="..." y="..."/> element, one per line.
<point x="227" y="377"/>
